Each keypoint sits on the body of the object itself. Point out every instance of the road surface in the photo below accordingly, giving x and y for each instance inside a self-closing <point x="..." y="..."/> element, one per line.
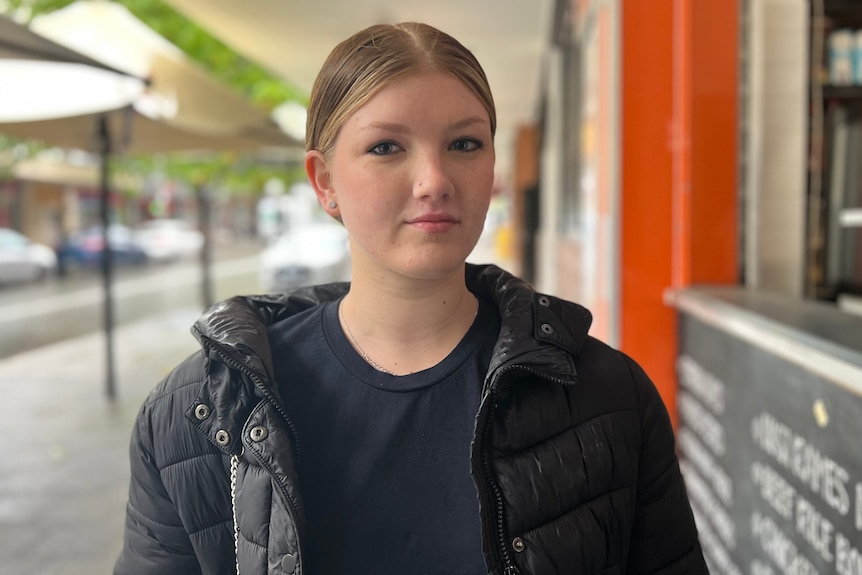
<point x="35" y="315"/>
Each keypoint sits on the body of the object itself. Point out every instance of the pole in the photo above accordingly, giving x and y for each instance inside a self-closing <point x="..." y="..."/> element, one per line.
<point x="107" y="263"/>
<point x="206" y="249"/>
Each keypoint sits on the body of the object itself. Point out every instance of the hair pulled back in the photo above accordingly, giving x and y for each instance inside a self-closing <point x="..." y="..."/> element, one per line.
<point x="358" y="67"/>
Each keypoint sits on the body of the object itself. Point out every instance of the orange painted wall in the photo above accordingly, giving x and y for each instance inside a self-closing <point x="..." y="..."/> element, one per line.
<point x="714" y="137"/>
<point x="647" y="327"/>
<point x="679" y="156"/>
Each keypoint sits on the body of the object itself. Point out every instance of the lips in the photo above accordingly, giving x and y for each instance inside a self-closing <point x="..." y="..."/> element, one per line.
<point x="437" y="222"/>
<point x="433" y="218"/>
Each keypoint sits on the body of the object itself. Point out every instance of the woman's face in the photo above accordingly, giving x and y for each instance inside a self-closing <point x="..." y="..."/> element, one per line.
<point x="411" y="172"/>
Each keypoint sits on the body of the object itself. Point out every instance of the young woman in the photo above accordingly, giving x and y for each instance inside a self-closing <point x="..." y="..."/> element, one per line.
<point x="431" y="416"/>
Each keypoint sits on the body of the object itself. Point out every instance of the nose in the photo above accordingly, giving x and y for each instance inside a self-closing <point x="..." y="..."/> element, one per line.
<point x="431" y="179"/>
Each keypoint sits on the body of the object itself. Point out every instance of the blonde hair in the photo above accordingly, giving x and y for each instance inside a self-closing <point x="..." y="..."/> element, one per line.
<point x="361" y="65"/>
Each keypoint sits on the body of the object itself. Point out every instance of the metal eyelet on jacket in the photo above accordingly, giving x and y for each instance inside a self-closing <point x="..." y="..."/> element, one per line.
<point x="222" y="437"/>
<point x="544" y="301"/>
<point x="547" y="328"/>
<point x="288" y="562"/>
<point x="259" y="433"/>
<point x="518" y="544"/>
<point x="202" y="411"/>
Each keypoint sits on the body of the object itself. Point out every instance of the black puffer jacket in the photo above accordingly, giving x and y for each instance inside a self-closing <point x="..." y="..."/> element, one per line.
<point x="573" y="457"/>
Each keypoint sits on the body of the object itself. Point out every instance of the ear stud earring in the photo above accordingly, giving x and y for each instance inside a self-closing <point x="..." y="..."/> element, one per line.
<point x="332" y="205"/>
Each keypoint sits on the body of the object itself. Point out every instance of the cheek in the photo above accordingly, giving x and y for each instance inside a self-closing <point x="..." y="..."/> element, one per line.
<point x="353" y="189"/>
<point x="484" y="186"/>
<point x="367" y="207"/>
<point x="376" y="196"/>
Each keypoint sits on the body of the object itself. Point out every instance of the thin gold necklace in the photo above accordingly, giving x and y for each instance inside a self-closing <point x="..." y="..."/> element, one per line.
<point x="352" y="339"/>
<point x="358" y="347"/>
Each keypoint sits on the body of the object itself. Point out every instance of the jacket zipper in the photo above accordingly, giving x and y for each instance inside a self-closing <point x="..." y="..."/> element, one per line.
<point x="503" y="556"/>
<point x="295" y="505"/>
<point x="509" y="567"/>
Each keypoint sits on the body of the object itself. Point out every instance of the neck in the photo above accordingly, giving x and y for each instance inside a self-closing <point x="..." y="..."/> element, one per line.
<point x="408" y="325"/>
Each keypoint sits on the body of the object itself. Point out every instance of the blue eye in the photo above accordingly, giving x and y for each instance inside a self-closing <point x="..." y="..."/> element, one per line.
<point x="467" y="145"/>
<point x="384" y="149"/>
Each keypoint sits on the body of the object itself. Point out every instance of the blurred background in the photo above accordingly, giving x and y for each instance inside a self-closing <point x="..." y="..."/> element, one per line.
<point x="686" y="169"/>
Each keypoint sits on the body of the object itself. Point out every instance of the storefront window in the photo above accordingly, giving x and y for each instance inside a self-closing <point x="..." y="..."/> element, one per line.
<point x="835" y="179"/>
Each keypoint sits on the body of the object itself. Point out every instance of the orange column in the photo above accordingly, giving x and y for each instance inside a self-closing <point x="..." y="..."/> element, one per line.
<point x="714" y="142"/>
<point x="679" y="157"/>
<point x="647" y="327"/>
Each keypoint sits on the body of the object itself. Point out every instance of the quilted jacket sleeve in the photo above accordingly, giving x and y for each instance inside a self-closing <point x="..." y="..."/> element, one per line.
<point x="155" y="540"/>
<point x="664" y="540"/>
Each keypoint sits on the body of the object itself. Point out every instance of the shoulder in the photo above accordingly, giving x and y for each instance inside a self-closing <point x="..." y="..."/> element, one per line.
<point x="612" y="380"/>
<point x="613" y="371"/>
<point x="161" y="424"/>
<point x="182" y="381"/>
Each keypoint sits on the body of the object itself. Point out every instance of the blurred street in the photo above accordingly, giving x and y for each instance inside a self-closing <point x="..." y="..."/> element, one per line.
<point x="33" y="315"/>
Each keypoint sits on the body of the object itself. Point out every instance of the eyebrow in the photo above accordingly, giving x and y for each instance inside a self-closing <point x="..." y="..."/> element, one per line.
<point x="468" y="122"/>
<point x="402" y="129"/>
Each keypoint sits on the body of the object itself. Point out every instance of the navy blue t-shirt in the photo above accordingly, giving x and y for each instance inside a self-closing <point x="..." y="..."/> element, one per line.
<point x="384" y="461"/>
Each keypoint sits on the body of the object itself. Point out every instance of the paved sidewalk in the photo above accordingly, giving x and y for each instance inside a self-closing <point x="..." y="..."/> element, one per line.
<point x="64" y="469"/>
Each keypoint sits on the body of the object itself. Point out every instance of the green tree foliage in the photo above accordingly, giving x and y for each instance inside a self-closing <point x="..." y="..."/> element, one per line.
<point x="13" y="150"/>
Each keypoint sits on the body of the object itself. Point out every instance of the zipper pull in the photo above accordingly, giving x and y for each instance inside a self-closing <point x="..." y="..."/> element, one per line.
<point x="511" y="570"/>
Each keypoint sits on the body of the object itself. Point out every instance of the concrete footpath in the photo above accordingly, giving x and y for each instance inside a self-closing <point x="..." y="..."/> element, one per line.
<point x="64" y="469"/>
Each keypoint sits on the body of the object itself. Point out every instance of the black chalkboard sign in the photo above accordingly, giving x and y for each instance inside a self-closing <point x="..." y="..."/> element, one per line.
<point x="772" y="456"/>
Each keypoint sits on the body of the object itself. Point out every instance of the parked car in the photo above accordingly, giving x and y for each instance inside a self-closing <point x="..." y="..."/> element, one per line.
<point x="84" y="249"/>
<point x="22" y="259"/>
<point x="165" y="240"/>
<point x="307" y="255"/>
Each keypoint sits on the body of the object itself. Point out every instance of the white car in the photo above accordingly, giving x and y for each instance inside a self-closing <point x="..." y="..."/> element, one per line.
<point x="23" y="260"/>
<point x="165" y="240"/>
<point x="308" y="255"/>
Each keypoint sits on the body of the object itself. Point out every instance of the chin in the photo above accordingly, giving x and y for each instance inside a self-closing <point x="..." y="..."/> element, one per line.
<point x="433" y="268"/>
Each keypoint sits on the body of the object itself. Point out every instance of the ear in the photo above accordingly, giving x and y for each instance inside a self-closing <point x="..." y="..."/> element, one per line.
<point x="320" y="176"/>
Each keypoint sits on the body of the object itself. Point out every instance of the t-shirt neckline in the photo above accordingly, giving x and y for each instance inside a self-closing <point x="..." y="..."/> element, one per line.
<point x="364" y="372"/>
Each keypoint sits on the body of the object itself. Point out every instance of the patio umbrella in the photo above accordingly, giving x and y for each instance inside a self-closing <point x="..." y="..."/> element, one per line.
<point x="133" y="132"/>
<point x="19" y="42"/>
<point x="32" y="66"/>
<point x="182" y="109"/>
<point x="180" y="94"/>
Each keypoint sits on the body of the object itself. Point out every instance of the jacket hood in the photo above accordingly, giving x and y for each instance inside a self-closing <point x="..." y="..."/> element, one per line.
<point x="237" y="327"/>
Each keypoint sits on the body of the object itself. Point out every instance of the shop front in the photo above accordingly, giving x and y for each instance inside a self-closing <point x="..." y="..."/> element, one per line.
<point x="705" y="207"/>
